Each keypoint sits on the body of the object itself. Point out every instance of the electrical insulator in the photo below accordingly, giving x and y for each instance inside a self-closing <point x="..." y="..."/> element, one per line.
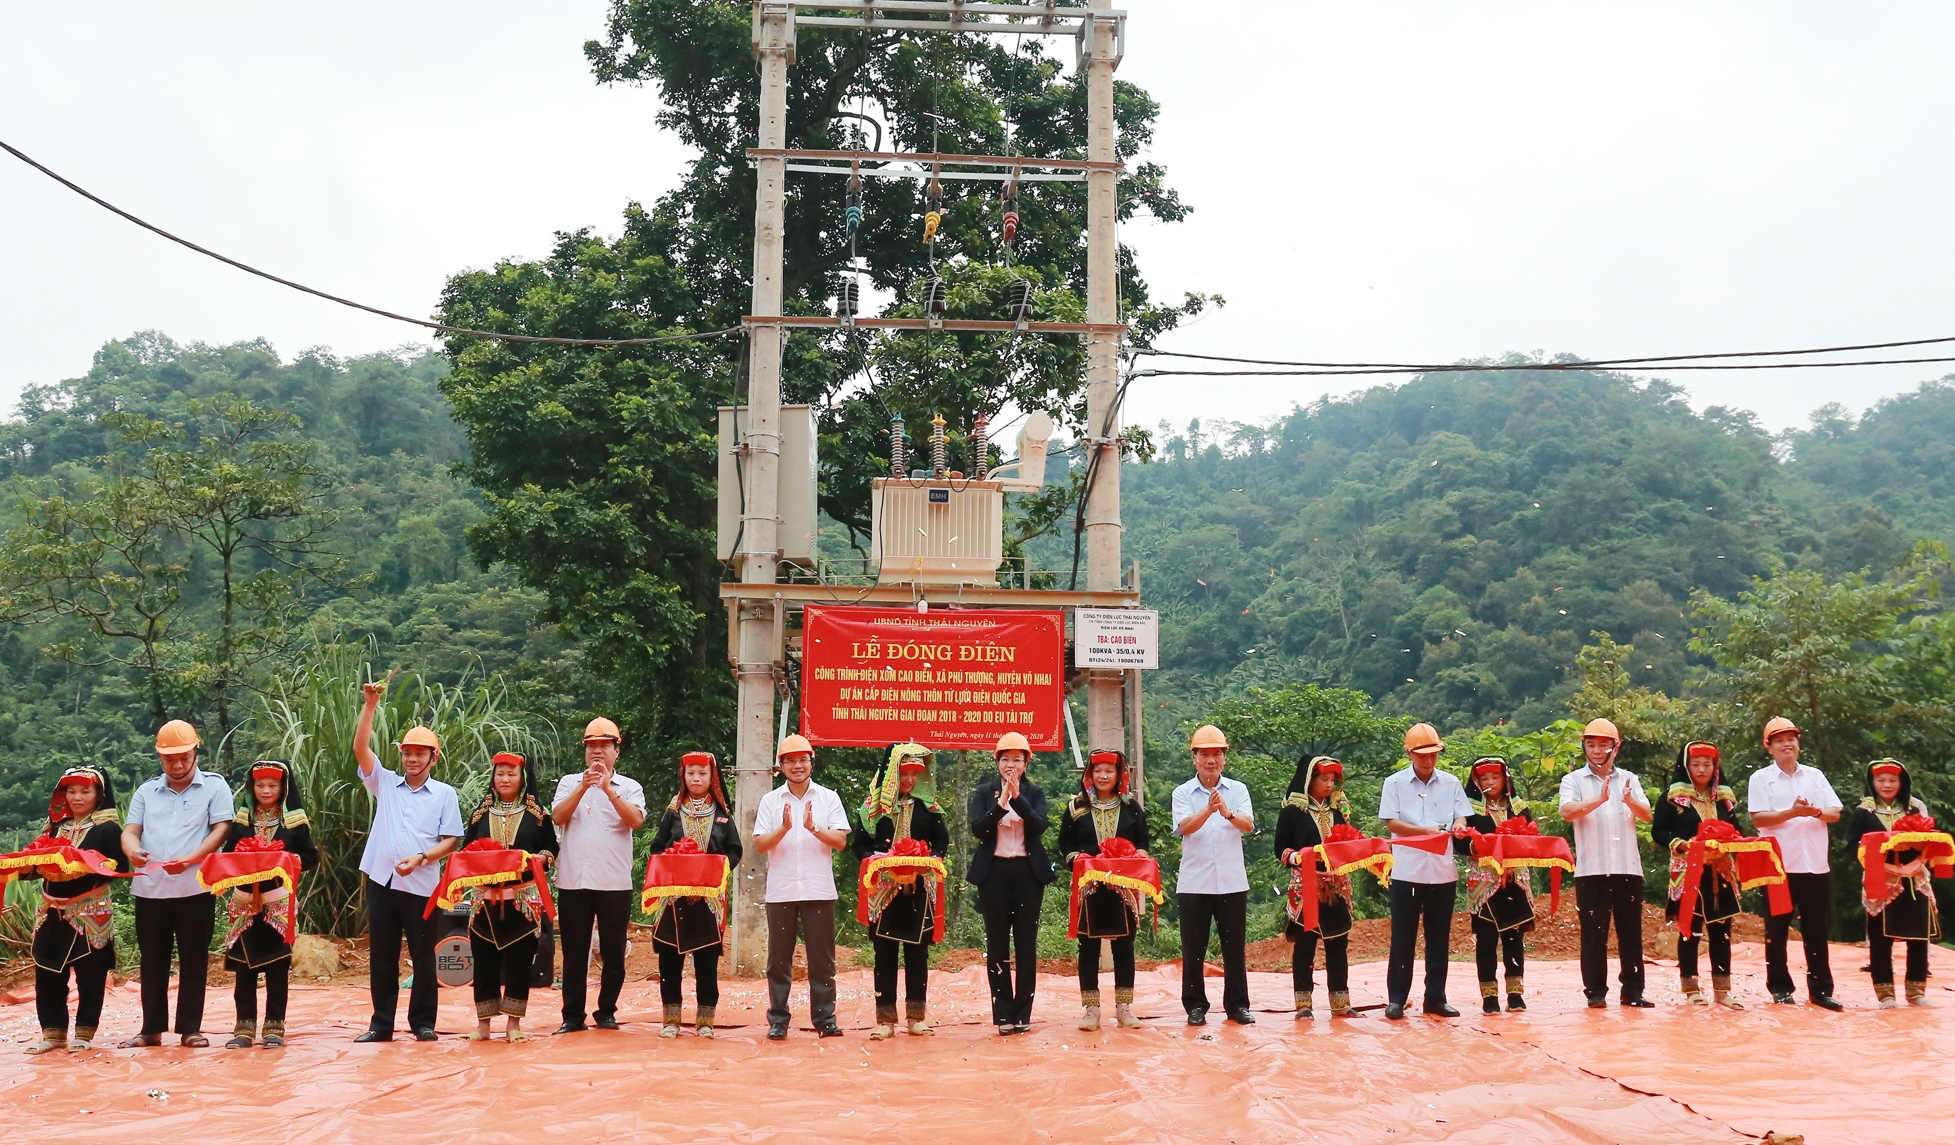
<point x="1020" y="306"/>
<point x="899" y="453"/>
<point x="935" y="299"/>
<point x="933" y="208"/>
<point x="848" y="296"/>
<point x="939" y="465"/>
<point x="1011" y="221"/>
<point x="852" y="211"/>
<point x="981" y="446"/>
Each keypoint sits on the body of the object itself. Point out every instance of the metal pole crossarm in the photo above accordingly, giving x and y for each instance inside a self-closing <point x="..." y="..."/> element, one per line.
<point x="1015" y="162"/>
<point x="979" y="176"/>
<point x="952" y="325"/>
<point x="1046" y="19"/>
<point x="795" y="594"/>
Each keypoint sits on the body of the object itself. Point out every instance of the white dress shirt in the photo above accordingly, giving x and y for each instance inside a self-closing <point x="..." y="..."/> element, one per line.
<point x="407" y="820"/>
<point x="594" y="848"/>
<point x="1802" y="840"/>
<point x="173" y="823"/>
<point x="1211" y="857"/>
<point x="1605" y="838"/>
<point x="1434" y="803"/>
<point x="800" y="868"/>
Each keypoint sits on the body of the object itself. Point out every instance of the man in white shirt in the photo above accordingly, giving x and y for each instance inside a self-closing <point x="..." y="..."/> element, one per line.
<point x="180" y="817"/>
<point x="1604" y="803"/>
<point x="1422" y="800"/>
<point x="595" y="811"/>
<point x="1212" y="813"/>
<point x="1793" y="803"/>
<point x="799" y="826"/>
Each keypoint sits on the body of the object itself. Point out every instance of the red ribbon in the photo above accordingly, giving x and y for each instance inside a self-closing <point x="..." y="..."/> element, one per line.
<point x="1939" y="850"/>
<point x="863" y="895"/>
<point x="258" y="864"/>
<point x="45" y="854"/>
<point x="1755" y="864"/>
<point x="1136" y="868"/>
<point x="1519" y="848"/>
<point x="475" y="861"/>
<point x="1341" y="853"/>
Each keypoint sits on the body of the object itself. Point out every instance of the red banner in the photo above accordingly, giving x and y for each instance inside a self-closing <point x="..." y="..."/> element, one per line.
<point x="948" y="678"/>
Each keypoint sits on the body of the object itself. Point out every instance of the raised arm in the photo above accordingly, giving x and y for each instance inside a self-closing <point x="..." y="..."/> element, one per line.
<point x="363" y="731"/>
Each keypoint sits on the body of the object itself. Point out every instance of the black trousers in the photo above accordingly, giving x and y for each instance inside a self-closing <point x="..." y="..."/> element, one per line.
<point x="915" y="958"/>
<point x="814" y="921"/>
<point x="1812" y="901"/>
<point x="1416" y="906"/>
<point x="1495" y="949"/>
<point x="502" y="977"/>
<point x="1602" y="900"/>
<point x="278" y="983"/>
<point x="577" y="912"/>
<point x="1337" y="963"/>
<point x="1230" y="914"/>
<point x="91" y="983"/>
<point x="182" y="927"/>
<point x="1880" y="951"/>
<point x="1009" y="898"/>
<point x="1123" y="963"/>
<point x="705" y="974"/>
<point x="1719" y="935"/>
<point x="393" y="914"/>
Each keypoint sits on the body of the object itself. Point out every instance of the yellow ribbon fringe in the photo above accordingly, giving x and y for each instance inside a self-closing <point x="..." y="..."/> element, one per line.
<point x="1127" y="882"/>
<point x="493" y="878"/>
<point x="278" y="873"/>
<point x="12" y="865"/>
<point x="920" y="862"/>
<point x="653" y="894"/>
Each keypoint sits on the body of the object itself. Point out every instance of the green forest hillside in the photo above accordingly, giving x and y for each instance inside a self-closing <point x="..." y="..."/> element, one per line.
<point x="1447" y="546"/>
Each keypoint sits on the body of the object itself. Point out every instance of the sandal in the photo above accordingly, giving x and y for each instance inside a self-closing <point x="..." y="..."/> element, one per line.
<point x="193" y="1041"/>
<point x="517" y="1037"/>
<point x="141" y="1042"/>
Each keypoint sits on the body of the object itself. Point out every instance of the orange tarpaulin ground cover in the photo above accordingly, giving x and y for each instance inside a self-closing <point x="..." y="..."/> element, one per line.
<point x="1557" y="1073"/>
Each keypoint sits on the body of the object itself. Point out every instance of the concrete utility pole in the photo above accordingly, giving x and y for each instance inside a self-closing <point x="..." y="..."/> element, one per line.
<point x="759" y="554"/>
<point x="1105" y="719"/>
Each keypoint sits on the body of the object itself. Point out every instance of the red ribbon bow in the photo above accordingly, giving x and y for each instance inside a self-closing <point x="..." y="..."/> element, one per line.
<point x="910" y="848"/>
<point x="1344" y="833"/>
<point x="1118" y="848"/>
<point x="684" y="846"/>
<point x="255" y="845"/>
<point x="1515" y="825"/>
<point x="1756" y="861"/>
<point x="1911" y="822"/>
<point x="485" y="845"/>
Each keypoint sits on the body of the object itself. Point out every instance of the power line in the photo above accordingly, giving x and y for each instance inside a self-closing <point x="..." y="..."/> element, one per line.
<point x="1458" y="369"/>
<point x="442" y="327"/>
<point x="1577" y="365"/>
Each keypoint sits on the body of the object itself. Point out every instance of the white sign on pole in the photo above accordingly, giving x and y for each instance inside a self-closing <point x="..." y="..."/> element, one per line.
<point x="1116" y="638"/>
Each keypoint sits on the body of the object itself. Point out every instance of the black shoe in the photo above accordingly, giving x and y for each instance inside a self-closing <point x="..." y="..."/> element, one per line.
<point x="1442" y="1010"/>
<point x="777" y="1031"/>
<point x="375" y="1036"/>
<point x="1241" y="1016"/>
<point x="831" y="1030"/>
<point x="1639" y="1003"/>
<point x="572" y="1028"/>
<point x="1595" y="1003"/>
<point x="1198" y="1016"/>
<point x="1304" y="1015"/>
<point x="605" y="1023"/>
<point x="425" y="1034"/>
<point x="1490" y="1005"/>
<point x="1516" y="1002"/>
<point x="1784" y="999"/>
<point x="1395" y="1011"/>
<point x="1828" y="1002"/>
<point x="1010" y="1028"/>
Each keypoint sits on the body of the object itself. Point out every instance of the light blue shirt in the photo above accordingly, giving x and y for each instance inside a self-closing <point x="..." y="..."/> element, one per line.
<point x="406" y="821"/>
<point x="1432" y="803"/>
<point x="173" y="823"/>
<point x="1211" y="856"/>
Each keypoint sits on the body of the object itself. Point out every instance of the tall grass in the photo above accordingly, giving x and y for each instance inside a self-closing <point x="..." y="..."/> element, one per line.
<point x="20" y="909"/>
<point x="310" y="714"/>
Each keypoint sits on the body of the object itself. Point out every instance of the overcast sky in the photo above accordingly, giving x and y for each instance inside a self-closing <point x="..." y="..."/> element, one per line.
<point x="1396" y="181"/>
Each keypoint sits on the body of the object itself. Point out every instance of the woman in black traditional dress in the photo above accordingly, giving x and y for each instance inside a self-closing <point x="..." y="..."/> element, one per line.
<point x="505" y="919"/>
<point x="1907" y="913"/>
<point x="699" y="812"/>
<point x="1697" y="795"/>
<point x="259" y="939"/>
<point x="1502" y="905"/>
<point x="902" y="804"/>
<point x="1102" y="811"/>
<point x="78" y="928"/>
<point x="1314" y="807"/>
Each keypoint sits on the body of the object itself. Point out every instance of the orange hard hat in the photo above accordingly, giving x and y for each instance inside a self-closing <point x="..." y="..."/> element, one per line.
<point x="1012" y="741"/>
<point x="176" y="736"/>
<point x="420" y="736"/>
<point x="601" y="728"/>
<point x="1423" y="737"/>
<point x="1601" y="729"/>
<point x="1207" y="735"/>
<point x="796" y="744"/>
<point x="1776" y="725"/>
